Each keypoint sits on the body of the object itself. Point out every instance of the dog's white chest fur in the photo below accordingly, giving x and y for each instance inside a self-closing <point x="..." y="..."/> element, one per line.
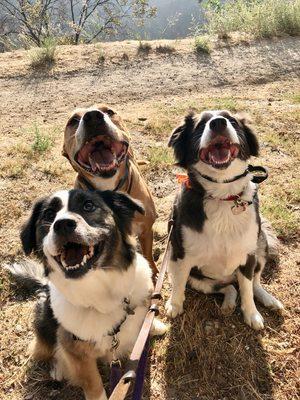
<point x="91" y="306"/>
<point x="225" y="240"/>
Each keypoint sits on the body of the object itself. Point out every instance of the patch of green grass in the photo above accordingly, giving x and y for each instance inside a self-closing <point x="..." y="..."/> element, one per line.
<point x="41" y="142"/>
<point x="162" y="126"/>
<point x="295" y="98"/>
<point x="202" y="45"/>
<point x="160" y="156"/>
<point x="260" y="18"/>
<point x="44" y="56"/>
<point x="224" y="103"/>
<point x="282" y="209"/>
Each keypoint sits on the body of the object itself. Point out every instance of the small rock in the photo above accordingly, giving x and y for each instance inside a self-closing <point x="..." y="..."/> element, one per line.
<point x="142" y="119"/>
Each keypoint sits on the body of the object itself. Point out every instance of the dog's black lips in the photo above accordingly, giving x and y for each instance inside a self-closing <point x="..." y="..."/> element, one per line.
<point x="71" y="258"/>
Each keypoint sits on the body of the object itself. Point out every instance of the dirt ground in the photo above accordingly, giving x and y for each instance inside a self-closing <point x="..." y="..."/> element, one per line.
<point x="204" y="356"/>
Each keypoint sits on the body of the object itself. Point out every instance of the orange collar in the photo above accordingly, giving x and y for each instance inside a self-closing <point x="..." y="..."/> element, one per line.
<point x="184" y="179"/>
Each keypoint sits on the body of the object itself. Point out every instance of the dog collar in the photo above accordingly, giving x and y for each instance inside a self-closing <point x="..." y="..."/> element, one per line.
<point x="120" y="184"/>
<point x="262" y="175"/>
<point x="239" y="205"/>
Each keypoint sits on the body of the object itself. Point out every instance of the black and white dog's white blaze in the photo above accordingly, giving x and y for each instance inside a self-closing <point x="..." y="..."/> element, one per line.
<point x="218" y="233"/>
<point x="95" y="284"/>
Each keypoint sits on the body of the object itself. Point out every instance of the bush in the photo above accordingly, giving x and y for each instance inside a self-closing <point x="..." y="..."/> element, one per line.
<point x="144" y="48"/>
<point x="44" y="56"/>
<point x="202" y="45"/>
<point x="165" y="49"/>
<point x="260" y="18"/>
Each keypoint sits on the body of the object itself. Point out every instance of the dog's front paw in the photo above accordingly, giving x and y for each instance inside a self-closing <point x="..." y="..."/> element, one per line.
<point x="254" y="319"/>
<point x="158" y="328"/>
<point x="173" y="309"/>
<point x="56" y="372"/>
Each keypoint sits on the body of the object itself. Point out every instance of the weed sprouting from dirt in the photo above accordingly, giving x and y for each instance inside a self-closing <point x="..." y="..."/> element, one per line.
<point x="100" y="55"/>
<point x="202" y="45"/>
<point x="144" y="48"/>
<point x="42" y="142"/>
<point x="44" y="56"/>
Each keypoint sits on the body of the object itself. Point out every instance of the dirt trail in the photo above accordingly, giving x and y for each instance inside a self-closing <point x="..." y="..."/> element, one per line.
<point x="77" y="79"/>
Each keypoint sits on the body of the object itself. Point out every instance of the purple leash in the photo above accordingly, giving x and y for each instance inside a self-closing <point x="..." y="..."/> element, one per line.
<point x="140" y="373"/>
<point x="115" y="374"/>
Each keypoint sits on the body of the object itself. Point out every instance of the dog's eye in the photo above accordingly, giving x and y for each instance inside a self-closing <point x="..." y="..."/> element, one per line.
<point x="74" y="120"/>
<point x="89" y="206"/>
<point x="233" y="121"/>
<point x="110" y="113"/>
<point x="49" y="215"/>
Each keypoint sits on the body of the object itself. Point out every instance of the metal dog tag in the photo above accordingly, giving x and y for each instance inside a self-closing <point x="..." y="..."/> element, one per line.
<point x="239" y="207"/>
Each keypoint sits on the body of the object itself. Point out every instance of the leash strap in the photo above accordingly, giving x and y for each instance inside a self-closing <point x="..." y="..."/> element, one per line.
<point x="262" y="173"/>
<point x="134" y="374"/>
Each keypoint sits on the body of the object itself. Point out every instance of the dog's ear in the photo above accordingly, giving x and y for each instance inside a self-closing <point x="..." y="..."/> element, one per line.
<point x="180" y="137"/>
<point x="250" y="135"/>
<point x="123" y="206"/>
<point x="28" y="231"/>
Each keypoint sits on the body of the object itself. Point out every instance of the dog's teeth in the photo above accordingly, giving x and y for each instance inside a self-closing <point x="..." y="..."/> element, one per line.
<point x="64" y="263"/>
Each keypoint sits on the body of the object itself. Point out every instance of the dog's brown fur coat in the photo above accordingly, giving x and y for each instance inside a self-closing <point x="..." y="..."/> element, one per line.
<point x="134" y="185"/>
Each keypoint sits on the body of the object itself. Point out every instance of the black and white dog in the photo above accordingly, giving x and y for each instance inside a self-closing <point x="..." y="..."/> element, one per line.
<point x="218" y="234"/>
<point x="96" y="287"/>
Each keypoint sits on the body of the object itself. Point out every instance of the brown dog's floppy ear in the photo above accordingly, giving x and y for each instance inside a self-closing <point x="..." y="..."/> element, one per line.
<point x="179" y="139"/>
<point x="250" y="135"/>
<point x="28" y="232"/>
<point x="123" y="207"/>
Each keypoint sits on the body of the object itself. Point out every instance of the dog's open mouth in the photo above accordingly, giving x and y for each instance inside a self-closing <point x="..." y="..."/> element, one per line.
<point x="74" y="256"/>
<point x="102" y="154"/>
<point x="220" y="152"/>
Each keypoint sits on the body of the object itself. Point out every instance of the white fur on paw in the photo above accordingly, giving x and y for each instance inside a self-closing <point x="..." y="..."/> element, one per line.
<point x="158" y="328"/>
<point x="274" y="304"/>
<point x="56" y="372"/>
<point x="173" y="310"/>
<point x="254" y="319"/>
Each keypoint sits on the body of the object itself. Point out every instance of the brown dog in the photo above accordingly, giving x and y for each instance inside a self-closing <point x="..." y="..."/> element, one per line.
<point x="96" y="143"/>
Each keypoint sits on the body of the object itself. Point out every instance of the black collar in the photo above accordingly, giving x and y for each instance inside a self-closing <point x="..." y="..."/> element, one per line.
<point x="258" y="178"/>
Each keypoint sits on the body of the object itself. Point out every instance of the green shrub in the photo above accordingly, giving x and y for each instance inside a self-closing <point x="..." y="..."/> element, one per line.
<point x="260" y="18"/>
<point x="202" y="45"/>
<point x="41" y="141"/>
<point x="44" y="56"/>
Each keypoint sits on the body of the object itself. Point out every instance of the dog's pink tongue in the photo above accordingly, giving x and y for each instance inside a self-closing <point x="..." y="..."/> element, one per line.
<point x="101" y="156"/>
<point x="220" y="154"/>
<point x="74" y="255"/>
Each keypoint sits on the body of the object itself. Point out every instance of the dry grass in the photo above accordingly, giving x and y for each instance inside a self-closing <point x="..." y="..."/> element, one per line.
<point x="204" y="356"/>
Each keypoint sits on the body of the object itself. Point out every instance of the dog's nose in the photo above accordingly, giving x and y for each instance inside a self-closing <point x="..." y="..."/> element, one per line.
<point x="218" y="124"/>
<point x="64" y="226"/>
<point x="93" y="117"/>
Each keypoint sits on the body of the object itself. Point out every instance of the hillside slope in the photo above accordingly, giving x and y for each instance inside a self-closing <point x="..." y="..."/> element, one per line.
<point x="204" y="356"/>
